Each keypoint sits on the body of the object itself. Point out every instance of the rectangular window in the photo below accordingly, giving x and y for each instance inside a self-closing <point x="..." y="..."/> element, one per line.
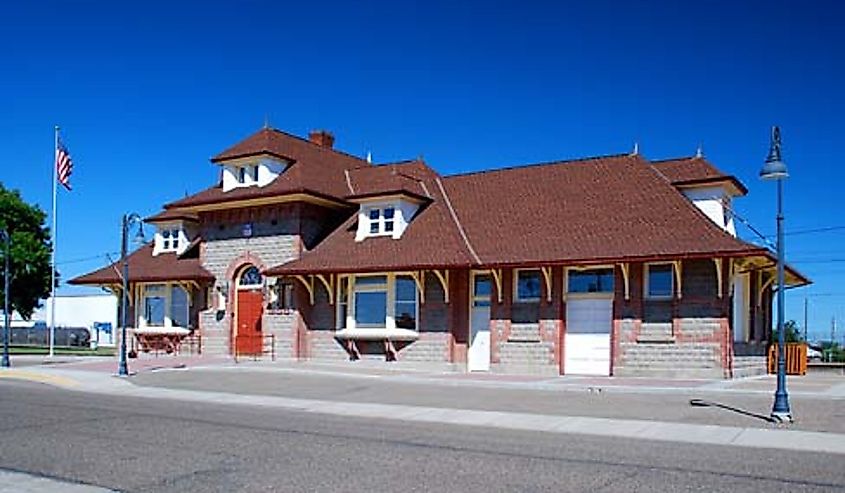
<point x="405" y="304"/>
<point x="482" y="289"/>
<point x="342" y="302"/>
<point x="179" y="306"/>
<point x="255" y="173"/>
<point x="374" y="220"/>
<point x="660" y="280"/>
<point x="590" y="281"/>
<point x="371" y="301"/>
<point x="389" y="213"/>
<point x="154" y="305"/>
<point x="527" y="285"/>
<point x="241" y="174"/>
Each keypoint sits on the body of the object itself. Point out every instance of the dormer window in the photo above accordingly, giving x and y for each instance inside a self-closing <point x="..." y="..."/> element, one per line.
<point x="241" y="175"/>
<point x="381" y="220"/>
<point x="170" y="240"/>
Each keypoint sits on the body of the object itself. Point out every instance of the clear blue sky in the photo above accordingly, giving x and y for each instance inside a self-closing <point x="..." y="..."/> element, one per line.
<point x="147" y="92"/>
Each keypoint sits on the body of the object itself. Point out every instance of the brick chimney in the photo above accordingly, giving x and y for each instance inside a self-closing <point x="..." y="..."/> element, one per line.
<point x="322" y="138"/>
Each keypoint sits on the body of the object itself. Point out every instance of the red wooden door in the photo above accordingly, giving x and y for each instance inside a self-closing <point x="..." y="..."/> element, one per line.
<point x="248" y="338"/>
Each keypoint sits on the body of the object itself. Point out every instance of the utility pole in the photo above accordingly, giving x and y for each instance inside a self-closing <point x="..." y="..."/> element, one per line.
<point x="806" y="341"/>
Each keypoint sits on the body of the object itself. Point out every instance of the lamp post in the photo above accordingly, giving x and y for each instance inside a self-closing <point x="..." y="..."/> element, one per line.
<point x="7" y="240"/>
<point x="128" y="221"/>
<point x="775" y="169"/>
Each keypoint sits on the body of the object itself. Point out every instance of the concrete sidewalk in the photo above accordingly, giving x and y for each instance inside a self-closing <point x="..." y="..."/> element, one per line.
<point x="104" y="383"/>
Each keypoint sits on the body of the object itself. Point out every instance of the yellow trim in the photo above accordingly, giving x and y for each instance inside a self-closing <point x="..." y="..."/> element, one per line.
<point x="419" y="280"/>
<point x="718" y="263"/>
<point x="444" y="282"/>
<point x="278" y="199"/>
<point x="309" y="286"/>
<point x="678" y="271"/>
<point x="626" y="279"/>
<point x="547" y="275"/>
<point x="329" y="284"/>
<point x="497" y="278"/>
<point x="763" y="286"/>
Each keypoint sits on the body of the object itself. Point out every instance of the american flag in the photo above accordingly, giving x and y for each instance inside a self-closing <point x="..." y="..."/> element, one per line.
<point x="64" y="165"/>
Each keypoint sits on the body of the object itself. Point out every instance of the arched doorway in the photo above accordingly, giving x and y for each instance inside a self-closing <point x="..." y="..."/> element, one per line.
<point x="249" y="300"/>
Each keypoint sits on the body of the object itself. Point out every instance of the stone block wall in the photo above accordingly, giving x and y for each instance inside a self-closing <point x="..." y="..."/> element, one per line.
<point x="682" y="338"/>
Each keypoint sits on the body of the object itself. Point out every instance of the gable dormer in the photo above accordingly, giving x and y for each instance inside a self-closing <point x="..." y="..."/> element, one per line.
<point x="175" y="230"/>
<point x="257" y="171"/>
<point x="710" y="190"/>
<point x="385" y="216"/>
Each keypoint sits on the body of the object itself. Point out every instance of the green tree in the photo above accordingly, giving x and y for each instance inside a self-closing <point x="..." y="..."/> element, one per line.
<point x="792" y="333"/>
<point x="29" y="259"/>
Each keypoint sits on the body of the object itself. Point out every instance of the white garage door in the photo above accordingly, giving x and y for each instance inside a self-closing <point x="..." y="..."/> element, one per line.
<point x="587" y="342"/>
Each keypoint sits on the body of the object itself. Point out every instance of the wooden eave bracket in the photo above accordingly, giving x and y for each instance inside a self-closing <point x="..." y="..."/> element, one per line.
<point x="443" y="277"/>
<point x="768" y="282"/>
<point x="328" y="284"/>
<point x="497" y="278"/>
<point x="309" y="286"/>
<point x="547" y="275"/>
<point x="419" y="280"/>
<point x="626" y="279"/>
<point x="718" y="263"/>
<point x="678" y="271"/>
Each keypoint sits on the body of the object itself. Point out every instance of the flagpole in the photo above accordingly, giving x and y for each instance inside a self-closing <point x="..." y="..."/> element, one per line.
<point x="53" y="253"/>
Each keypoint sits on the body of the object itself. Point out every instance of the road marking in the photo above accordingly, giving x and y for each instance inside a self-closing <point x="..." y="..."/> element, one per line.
<point x="31" y="376"/>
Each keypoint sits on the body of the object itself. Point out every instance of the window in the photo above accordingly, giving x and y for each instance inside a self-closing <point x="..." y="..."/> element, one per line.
<point x="154" y="305"/>
<point x="371" y="301"/>
<point x="178" y="306"/>
<point x="255" y="173"/>
<point x="170" y="240"/>
<point x="590" y="281"/>
<point x="342" y="302"/>
<point x="382" y="220"/>
<point x="659" y="280"/>
<point x="283" y="296"/>
<point x="405" y="309"/>
<point x="481" y="291"/>
<point x="374" y="221"/>
<point x="389" y="212"/>
<point x="241" y="175"/>
<point x="383" y="302"/>
<point x="250" y="276"/>
<point x="527" y="283"/>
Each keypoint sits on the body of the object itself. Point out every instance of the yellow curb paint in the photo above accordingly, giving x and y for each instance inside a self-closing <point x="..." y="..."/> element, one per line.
<point x="31" y="376"/>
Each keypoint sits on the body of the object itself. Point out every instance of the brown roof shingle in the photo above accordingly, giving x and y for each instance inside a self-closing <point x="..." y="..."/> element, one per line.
<point x="590" y="210"/>
<point x="316" y="170"/>
<point x="430" y="241"/>
<point x="695" y="170"/>
<point x="143" y="267"/>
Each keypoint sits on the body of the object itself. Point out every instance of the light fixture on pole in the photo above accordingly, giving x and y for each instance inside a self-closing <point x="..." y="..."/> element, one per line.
<point x="775" y="169"/>
<point x="7" y="241"/>
<point x="128" y="221"/>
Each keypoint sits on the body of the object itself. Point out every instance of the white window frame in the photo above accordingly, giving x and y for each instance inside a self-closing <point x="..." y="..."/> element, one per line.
<point x="516" y="297"/>
<point x="390" y="312"/>
<point x="646" y="274"/>
<point x="168" y="304"/>
<point x="381" y="221"/>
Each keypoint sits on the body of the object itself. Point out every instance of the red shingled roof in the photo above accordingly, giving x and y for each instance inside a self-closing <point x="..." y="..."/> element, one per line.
<point x="143" y="267"/>
<point x="590" y="210"/>
<point x="432" y="239"/>
<point x="316" y="170"/>
<point x="695" y="170"/>
<point x="171" y="215"/>
<point x="391" y="178"/>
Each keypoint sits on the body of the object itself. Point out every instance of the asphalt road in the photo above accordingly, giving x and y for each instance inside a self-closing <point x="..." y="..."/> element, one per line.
<point x="134" y="445"/>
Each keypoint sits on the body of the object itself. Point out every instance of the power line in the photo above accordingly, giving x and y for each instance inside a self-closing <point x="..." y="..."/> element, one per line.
<point x="809" y="231"/>
<point x="84" y="259"/>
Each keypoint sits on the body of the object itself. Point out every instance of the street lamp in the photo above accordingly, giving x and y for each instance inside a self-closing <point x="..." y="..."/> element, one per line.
<point x="7" y="240"/>
<point x="775" y="169"/>
<point x="128" y="221"/>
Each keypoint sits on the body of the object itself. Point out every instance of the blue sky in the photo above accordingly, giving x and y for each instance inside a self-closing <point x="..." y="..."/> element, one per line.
<point x="147" y="92"/>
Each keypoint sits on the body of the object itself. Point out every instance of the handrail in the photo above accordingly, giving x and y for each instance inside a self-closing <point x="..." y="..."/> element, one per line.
<point x="263" y="347"/>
